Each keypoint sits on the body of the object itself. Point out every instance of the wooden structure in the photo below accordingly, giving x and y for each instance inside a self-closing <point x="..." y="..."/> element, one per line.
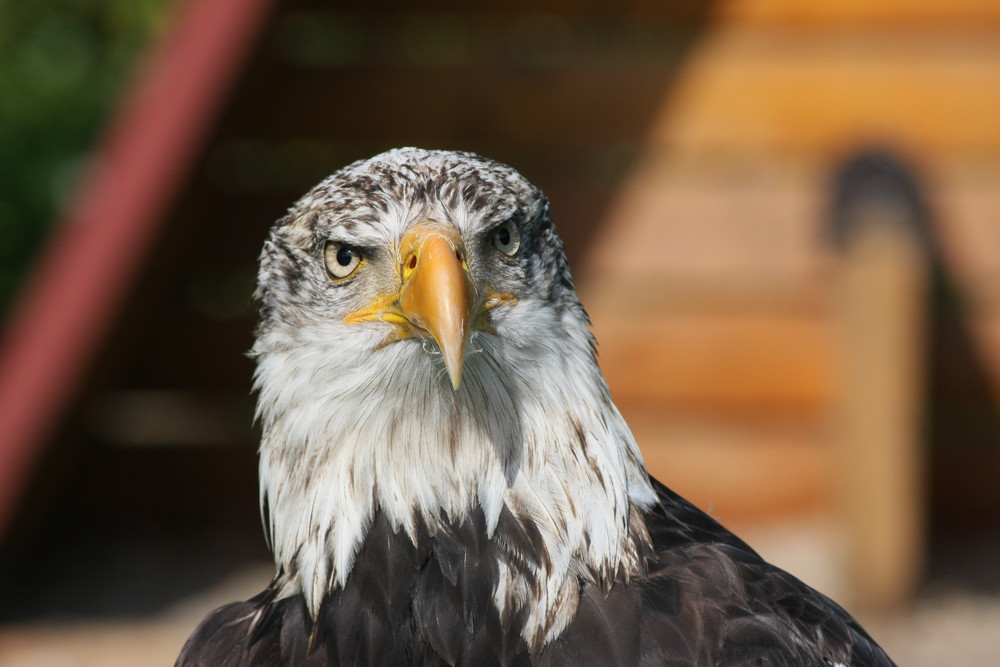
<point x="687" y="150"/>
<point x="99" y="248"/>
<point x="881" y="309"/>
<point x="722" y="222"/>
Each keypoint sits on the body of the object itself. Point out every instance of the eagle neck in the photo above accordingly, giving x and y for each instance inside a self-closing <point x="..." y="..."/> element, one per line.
<point x="531" y="435"/>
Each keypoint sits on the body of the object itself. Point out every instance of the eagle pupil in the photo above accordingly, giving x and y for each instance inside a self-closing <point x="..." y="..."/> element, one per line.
<point x="345" y="256"/>
<point x="503" y="235"/>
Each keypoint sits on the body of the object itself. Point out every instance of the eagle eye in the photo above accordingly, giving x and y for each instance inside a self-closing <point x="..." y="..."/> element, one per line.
<point x="507" y="238"/>
<point x="341" y="260"/>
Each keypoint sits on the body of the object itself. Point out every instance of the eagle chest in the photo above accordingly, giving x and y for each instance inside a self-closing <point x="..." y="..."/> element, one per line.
<point x="424" y="600"/>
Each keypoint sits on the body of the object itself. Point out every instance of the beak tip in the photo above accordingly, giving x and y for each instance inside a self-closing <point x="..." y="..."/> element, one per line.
<point x="454" y="367"/>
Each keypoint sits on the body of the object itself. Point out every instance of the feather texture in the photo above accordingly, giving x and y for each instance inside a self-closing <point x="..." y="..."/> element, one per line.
<point x="509" y="521"/>
<point x="706" y="599"/>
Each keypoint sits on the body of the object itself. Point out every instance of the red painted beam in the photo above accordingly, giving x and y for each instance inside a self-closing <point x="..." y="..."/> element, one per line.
<point x="84" y="272"/>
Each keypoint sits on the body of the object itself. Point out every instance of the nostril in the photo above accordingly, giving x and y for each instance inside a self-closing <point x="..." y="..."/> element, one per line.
<point x="413" y="262"/>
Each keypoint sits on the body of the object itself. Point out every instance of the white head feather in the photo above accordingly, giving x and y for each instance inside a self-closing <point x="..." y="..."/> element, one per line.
<point x="352" y="427"/>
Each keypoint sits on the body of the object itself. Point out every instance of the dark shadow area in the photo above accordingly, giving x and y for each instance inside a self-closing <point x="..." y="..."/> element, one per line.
<point x="149" y="491"/>
<point x="129" y="531"/>
<point x="963" y="432"/>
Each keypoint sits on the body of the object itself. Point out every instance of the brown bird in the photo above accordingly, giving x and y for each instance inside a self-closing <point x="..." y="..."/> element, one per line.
<point x="444" y="478"/>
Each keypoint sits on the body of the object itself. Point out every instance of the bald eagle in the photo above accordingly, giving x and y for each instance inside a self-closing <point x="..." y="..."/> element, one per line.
<point x="444" y="479"/>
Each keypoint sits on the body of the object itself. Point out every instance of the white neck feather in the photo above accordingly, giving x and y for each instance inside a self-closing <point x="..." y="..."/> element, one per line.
<point x="349" y="429"/>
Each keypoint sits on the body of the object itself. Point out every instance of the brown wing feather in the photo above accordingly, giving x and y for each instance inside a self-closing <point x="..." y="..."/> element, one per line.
<point x="707" y="598"/>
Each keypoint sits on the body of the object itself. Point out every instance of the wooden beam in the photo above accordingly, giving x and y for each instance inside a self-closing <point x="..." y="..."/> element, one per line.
<point x="96" y="250"/>
<point x="877" y="403"/>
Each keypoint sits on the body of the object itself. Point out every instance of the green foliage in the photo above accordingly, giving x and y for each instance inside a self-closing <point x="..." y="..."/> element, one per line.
<point x="63" y="64"/>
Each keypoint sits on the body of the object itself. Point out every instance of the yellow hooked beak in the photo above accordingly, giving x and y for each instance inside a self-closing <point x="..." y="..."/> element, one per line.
<point x="437" y="294"/>
<point x="436" y="298"/>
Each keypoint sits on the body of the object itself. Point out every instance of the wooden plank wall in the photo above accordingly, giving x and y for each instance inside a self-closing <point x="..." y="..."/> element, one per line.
<point x="710" y="284"/>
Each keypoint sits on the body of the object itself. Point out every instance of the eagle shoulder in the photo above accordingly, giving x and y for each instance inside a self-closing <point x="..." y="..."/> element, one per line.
<point x="227" y="638"/>
<point x="708" y="598"/>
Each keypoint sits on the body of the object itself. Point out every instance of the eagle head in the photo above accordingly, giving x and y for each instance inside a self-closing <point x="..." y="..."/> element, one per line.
<point x="422" y="355"/>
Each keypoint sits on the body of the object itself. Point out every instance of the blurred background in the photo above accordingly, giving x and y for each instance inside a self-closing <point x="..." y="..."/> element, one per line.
<point x="783" y="217"/>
